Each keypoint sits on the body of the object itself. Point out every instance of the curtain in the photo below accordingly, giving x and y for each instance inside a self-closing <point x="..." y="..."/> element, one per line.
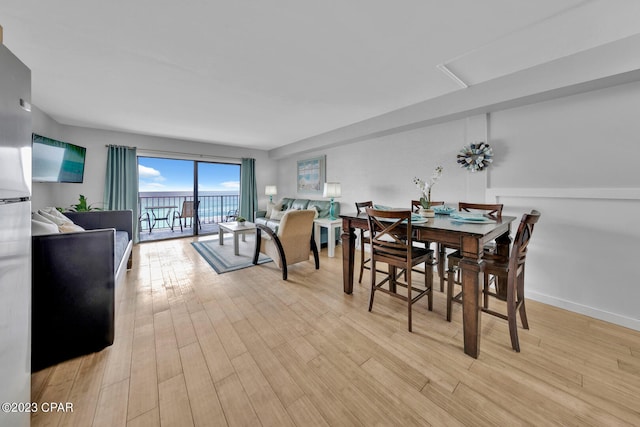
<point x="248" y="189"/>
<point x="121" y="182"/>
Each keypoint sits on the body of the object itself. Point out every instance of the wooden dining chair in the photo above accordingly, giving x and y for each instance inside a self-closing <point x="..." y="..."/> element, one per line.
<point x="510" y="280"/>
<point x="390" y="240"/>
<point x="415" y="208"/>
<point x="416" y="205"/>
<point x="364" y="237"/>
<point x="492" y="210"/>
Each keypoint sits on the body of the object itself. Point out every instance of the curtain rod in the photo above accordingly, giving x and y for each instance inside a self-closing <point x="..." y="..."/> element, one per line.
<point x="202" y="156"/>
<point x="114" y="145"/>
<point x="175" y="153"/>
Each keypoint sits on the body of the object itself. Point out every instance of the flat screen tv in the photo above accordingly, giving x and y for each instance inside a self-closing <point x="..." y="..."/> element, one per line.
<point x="57" y="161"/>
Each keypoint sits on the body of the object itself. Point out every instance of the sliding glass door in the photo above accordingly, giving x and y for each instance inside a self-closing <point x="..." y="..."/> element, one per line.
<point x="218" y="191"/>
<point x="185" y="197"/>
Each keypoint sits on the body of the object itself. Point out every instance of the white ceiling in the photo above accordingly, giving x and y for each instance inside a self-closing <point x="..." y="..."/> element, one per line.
<point x="264" y="74"/>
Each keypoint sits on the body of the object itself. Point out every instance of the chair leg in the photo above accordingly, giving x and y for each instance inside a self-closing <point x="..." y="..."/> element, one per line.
<point x="440" y="263"/>
<point x="485" y="293"/>
<point x="511" y="316"/>
<point x="314" y="249"/>
<point x="523" y="311"/>
<point x="361" y="256"/>
<point x="373" y="283"/>
<point x="428" y="282"/>
<point x="450" y="287"/>
<point x="407" y="273"/>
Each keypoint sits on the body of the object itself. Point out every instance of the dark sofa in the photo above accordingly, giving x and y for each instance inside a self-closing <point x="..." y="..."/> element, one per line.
<point x="74" y="276"/>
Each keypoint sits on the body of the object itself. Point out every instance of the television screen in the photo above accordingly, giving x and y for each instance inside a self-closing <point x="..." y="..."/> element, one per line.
<point x="57" y="161"/>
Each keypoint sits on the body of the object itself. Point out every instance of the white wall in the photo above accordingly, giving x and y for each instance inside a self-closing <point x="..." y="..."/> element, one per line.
<point x="572" y="158"/>
<point x="382" y="169"/>
<point x="64" y="194"/>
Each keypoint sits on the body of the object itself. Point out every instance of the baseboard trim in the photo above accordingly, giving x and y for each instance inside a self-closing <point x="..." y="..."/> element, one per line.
<point x="606" y="316"/>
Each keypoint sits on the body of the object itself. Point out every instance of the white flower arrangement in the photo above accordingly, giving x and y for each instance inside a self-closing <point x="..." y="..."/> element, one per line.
<point x="425" y="186"/>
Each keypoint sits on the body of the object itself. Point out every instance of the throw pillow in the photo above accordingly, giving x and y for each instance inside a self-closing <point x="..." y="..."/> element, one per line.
<point x="41" y="225"/>
<point x="277" y="215"/>
<point x="270" y="206"/>
<point x="69" y="228"/>
<point x="55" y="216"/>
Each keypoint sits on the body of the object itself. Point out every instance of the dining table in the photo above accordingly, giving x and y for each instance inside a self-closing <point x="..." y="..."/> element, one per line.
<point x="468" y="236"/>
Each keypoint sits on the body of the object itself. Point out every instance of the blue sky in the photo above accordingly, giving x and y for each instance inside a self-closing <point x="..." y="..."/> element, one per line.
<point x="156" y="174"/>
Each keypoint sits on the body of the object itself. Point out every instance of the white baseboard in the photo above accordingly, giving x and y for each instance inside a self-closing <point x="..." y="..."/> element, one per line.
<point x="617" y="319"/>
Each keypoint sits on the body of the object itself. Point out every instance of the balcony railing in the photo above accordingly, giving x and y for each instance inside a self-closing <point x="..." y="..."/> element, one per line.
<point x="212" y="209"/>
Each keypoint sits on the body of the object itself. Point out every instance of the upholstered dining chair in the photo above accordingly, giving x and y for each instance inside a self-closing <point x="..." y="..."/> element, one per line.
<point x="510" y="284"/>
<point x="391" y="243"/>
<point x="188" y="211"/>
<point x="292" y="242"/>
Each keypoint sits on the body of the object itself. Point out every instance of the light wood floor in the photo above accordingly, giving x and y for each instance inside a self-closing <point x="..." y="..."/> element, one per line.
<point x="245" y="348"/>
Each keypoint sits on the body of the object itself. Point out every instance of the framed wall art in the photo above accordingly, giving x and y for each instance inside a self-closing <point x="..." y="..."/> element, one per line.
<point x="311" y="175"/>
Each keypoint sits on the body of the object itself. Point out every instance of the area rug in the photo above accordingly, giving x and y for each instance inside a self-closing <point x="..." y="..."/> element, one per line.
<point x="222" y="258"/>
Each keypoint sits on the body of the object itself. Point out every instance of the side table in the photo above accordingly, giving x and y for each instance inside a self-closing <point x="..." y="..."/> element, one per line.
<point x="331" y="225"/>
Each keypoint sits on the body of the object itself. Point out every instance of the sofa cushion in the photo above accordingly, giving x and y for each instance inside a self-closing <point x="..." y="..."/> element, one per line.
<point x="299" y="204"/>
<point x="122" y="241"/>
<point x="322" y="206"/>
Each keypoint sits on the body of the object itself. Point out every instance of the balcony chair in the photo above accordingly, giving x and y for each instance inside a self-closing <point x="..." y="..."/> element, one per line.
<point x="188" y="212"/>
<point x="390" y="240"/>
<point x="509" y="286"/>
<point x="291" y="243"/>
<point x="142" y="218"/>
<point x="231" y="215"/>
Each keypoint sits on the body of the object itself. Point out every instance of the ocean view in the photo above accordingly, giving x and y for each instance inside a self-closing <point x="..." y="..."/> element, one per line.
<point x="214" y="205"/>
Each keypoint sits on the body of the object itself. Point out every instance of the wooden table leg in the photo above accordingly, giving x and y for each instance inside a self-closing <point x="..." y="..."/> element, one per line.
<point x="348" y="254"/>
<point x="472" y="279"/>
<point x="472" y="267"/>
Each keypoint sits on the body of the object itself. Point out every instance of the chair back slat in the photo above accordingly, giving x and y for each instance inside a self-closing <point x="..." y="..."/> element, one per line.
<point x="522" y="239"/>
<point x="493" y="210"/>
<point x="388" y="238"/>
<point x="361" y="205"/>
<point x="416" y="205"/>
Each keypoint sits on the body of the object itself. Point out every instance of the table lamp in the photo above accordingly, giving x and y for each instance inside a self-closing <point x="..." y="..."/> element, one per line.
<point x="271" y="190"/>
<point x="331" y="189"/>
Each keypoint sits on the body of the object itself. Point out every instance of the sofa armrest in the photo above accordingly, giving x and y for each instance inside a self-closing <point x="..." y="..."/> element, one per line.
<point x="94" y="220"/>
<point x="73" y="295"/>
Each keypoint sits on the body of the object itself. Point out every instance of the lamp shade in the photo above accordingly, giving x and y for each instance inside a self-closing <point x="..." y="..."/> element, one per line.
<point x="332" y="189"/>
<point x="270" y="190"/>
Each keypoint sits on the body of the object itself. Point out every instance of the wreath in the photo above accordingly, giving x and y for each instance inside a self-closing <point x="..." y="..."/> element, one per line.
<point x="475" y="156"/>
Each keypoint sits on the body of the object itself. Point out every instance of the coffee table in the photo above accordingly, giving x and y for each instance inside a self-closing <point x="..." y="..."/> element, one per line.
<point x="237" y="230"/>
